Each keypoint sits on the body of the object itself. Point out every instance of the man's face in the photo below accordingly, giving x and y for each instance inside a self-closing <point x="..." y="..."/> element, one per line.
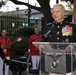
<point x="58" y="13"/>
<point x="4" y="32"/>
<point x="36" y="31"/>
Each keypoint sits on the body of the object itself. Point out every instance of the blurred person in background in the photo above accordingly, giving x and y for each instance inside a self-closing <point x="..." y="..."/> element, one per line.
<point x="4" y="42"/>
<point x="35" y="53"/>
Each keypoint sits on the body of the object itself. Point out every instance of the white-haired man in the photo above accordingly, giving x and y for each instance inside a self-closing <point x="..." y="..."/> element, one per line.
<point x="63" y="31"/>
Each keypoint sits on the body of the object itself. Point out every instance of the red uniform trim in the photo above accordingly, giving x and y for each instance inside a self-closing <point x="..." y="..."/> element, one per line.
<point x="33" y="49"/>
<point x="8" y="41"/>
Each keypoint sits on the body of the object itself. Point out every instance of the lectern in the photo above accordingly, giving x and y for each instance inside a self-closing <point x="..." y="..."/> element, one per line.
<point x="55" y="56"/>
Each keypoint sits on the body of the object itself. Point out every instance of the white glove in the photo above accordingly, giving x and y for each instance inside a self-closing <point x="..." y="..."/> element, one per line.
<point x="5" y="51"/>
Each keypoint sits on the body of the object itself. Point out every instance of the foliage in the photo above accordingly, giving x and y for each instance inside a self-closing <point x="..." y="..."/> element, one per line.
<point x="69" y="18"/>
<point x="23" y="31"/>
<point x="69" y="5"/>
<point x="20" y="48"/>
<point x="2" y="3"/>
<point x="68" y="0"/>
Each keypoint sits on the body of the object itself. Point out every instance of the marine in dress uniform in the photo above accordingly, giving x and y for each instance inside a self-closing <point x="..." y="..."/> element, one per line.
<point x="4" y="41"/>
<point x="61" y="31"/>
<point x="35" y="53"/>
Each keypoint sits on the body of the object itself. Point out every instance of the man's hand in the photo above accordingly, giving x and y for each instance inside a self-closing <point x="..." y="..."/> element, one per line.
<point x="69" y="48"/>
<point x="48" y="46"/>
<point x="5" y="51"/>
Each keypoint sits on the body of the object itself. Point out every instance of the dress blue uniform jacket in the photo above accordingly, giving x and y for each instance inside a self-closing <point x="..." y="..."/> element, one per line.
<point x="62" y="32"/>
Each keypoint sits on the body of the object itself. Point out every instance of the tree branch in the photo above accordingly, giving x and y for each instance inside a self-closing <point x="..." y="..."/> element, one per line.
<point x="28" y="5"/>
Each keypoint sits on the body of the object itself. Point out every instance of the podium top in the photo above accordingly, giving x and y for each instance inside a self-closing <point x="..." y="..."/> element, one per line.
<point x="40" y="43"/>
<point x="56" y="45"/>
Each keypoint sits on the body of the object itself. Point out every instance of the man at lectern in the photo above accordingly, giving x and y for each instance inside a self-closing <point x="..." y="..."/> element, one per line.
<point x="61" y="31"/>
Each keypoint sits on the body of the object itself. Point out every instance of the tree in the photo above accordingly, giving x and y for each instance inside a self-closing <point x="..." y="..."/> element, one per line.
<point x="69" y="5"/>
<point x="44" y="8"/>
<point x="2" y="3"/>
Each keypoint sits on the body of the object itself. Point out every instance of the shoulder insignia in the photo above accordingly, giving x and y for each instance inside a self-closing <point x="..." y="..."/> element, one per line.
<point x="72" y="23"/>
<point x="48" y="23"/>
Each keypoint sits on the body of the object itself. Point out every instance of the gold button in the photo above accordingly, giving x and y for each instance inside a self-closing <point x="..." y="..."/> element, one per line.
<point x="66" y="40"/>
<point x="57" y="33"/>
<point x="58" y="26"/>
<point x="58" y="38"/>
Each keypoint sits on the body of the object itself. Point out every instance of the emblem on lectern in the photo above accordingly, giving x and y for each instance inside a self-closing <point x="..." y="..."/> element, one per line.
<point x="55" y="57"/>
<point x="54" y="64"/>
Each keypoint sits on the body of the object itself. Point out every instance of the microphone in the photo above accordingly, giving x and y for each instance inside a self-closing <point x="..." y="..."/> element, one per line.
<point x="45" y="36"/>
